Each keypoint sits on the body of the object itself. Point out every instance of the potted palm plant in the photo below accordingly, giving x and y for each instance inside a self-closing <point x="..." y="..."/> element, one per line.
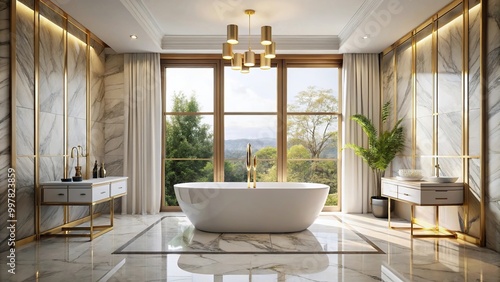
<point x="382" y="148"/>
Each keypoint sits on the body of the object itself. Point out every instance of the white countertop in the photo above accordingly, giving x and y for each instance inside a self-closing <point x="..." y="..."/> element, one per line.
<point x="422" y="184"/>
<point x="86" y="182"/>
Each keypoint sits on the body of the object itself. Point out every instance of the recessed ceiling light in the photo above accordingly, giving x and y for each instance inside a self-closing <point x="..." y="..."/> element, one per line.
<point x="133" y="36"/>
<point x="366" y="37"/>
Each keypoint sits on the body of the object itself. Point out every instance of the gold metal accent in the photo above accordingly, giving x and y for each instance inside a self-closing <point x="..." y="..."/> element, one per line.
<point x="232" y="34"/>
<point x="65" y="96"/>
<point x="254" y="171"/>
<point x="13" y="86"/>
<point x="249" y="163"/>
<point x="88" y="106"/>
<point x="249" y="59"/>
<point x="265" y="35"/>
<point x="237" y="61"/>
<point x="270" y="50"/>
<point x="36" y="173"/>
<point x="265" y="63"/>
<point x="227" y="51"/>
<point x="483" y="117"/>
<point x="465" y="110"/>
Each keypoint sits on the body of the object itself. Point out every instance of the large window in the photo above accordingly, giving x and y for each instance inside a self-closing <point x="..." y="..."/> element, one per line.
<point x="290" y="114"/>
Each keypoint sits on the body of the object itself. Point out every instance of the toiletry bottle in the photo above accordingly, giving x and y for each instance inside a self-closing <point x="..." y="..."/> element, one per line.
<point x="94" y="171"/>
<point x="102" y="171"/>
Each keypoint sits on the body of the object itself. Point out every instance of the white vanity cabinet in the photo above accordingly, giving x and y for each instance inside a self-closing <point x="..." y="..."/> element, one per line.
<point x="423" y="193"/>
<point x="85" y="193"/>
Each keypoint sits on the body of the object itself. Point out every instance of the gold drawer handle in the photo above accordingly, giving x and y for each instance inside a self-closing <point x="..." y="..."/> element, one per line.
<point x="120" y="187"/>
<point x="103" y="192"/>
<point x="442" y="191"/>
<point x="60" y="194"/>
<point x="441" y="198"/>
<point x="406" y="194"/>
<point x="83" y="194"/>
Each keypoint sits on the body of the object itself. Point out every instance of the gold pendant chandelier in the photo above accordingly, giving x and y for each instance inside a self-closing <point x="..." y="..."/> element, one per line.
<point x="243" y="61"/>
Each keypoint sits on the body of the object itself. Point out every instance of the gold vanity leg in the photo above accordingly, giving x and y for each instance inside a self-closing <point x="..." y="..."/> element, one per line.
<point x="412" y="219"/>
<point x="389" y="212"/>
<point x="111" y="211"/>
<point x="437" y="218"/>
<point x="91" y="211"/>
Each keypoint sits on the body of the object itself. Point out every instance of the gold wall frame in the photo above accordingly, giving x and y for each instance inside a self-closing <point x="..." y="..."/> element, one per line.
<point x="36" y="97"/>
<point x="465" y="154"/>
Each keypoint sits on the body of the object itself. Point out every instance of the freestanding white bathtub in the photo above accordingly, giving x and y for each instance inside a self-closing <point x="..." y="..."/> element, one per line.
<point x="272" y="207"/>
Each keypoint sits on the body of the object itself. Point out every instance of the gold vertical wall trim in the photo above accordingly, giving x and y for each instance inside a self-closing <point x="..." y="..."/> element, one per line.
<point x="37" y="114"/>
<point x="88" y="107"/>
<point x="163" y="117"/>
<point x="414" y="100"/>
<point x="13" y="85"/>
<point x="483" y="117"/>
<point x="218" y="117"/>
<point x="340" y="140"/>
<point x="282" y="128"/>
<point x="434" y="89"/>
<point x="65" y="98"/>
<point x="465" y="110"/>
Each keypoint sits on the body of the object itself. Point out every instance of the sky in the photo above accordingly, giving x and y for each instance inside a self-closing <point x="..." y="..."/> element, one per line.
<point x="253" y="92"/>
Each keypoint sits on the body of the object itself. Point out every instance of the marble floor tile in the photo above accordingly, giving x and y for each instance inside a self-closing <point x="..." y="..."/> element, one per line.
<point x="366" y="251"/>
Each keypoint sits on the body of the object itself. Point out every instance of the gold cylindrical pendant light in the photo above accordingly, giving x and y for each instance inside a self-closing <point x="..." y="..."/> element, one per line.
<point x="249" y="60"/>
<point x="245" y="69"/>
<point x="227" y="51"/>
<point x="265" y="63"/>
<point x="270" y="51"/>
<point x="265" y="35"/>
<point x="237" y="61"/>
<point x="232" y="34"/>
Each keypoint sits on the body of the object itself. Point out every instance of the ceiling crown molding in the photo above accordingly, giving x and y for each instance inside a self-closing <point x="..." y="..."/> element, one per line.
<point x="142" y="15"/>
<point x="284" y="44"/>
<point x="361" y="14"/>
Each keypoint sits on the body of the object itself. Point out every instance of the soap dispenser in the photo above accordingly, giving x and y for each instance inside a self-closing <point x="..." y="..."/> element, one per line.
<point x="102" y="171"/>
<point x="95" y="170"/>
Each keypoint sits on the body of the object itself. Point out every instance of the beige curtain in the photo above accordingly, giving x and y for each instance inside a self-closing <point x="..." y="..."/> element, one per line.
<point x="143" y="113"/>
<point x="361" y="95"/>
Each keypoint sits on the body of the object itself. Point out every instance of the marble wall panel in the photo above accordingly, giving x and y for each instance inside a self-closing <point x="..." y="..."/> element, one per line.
<point x="4" y="119"/>
<point x="424" y="136"/>
<point x="26" y="212"/>
<point x="424" y="77"/>
<point x="449" y="63"/>
<point x="404" y="91"/>
<point x="493" y="88"/>
<point x="51" y="134"/>
<point x="404" y="81"/>
<point x="51" y="67"/>
<point x="25" y="131"/>
<point x="51" y="168"/>
<point x="98" y="142"/>
<point x="25" y="168"/>
<point x="450" y="134"/>
<point x="77" y="82"/>
<point x="50" y="217"/>
<point x="4" y="83"/>
<point x="4" y="166"/>
<point x="97" y="60"/>
<point x="114" y="114"/>
<point x="77" y="212"/>
<point x="25" y="59"/>
<point x="425" y="164"/>
<point x="388" y="77"/>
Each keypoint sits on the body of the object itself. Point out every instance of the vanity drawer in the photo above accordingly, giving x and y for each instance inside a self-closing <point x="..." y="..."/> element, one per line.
<point x="55" y="195"/>
<point x="409" y="195"/>
<point x="88" y="195"/>
<point x="442" y="197"/>
<point x="119" y="187"/>
<point x="389" y="190"/>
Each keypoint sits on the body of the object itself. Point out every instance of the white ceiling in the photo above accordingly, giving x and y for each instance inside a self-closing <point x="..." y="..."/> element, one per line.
<point x="298" y="26"/>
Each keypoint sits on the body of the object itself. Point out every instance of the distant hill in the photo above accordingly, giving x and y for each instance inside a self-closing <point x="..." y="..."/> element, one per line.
<point x="236" y="148"/>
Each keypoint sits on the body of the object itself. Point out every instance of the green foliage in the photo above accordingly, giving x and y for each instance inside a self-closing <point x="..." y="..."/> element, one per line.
<point x="186" y="137"/>
<point x="382" y="148"/>
<point x="332" y="200"/>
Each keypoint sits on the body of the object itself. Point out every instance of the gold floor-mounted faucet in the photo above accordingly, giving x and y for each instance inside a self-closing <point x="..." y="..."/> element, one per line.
<point x="251" y="163"/>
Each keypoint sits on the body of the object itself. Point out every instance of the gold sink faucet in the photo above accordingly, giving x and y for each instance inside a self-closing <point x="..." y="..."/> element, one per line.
<point x="437" y="169"/>
<point x="79" y="153"/>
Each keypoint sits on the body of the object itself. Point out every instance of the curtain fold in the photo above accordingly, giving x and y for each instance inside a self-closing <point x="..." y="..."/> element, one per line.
<point x="143" y="113"/>
<point x="361" y="95"/>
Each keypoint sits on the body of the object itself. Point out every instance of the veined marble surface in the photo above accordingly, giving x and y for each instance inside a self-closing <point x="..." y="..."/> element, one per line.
<point x="77" y="259"/>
